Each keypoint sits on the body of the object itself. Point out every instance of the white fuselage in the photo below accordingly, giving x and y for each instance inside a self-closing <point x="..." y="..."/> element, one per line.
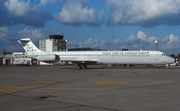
<point x="82" y="58"/>
<point x="111" y="57"/>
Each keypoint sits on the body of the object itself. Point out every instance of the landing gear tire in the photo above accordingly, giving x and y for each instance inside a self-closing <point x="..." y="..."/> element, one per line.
<point x="84" y="67"/>
<point x="78" y="67"/>
<point x="81" y="66"/>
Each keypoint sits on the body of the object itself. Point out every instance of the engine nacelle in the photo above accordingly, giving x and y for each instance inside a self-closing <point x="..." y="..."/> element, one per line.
<point x="50" y="58"/>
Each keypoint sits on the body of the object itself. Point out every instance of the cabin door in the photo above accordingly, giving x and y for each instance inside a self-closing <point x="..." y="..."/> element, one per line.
<point x="157" y="57"/>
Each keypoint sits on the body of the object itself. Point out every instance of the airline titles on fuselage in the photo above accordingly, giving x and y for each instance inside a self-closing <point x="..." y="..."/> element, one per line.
<point x="126" y="53"/>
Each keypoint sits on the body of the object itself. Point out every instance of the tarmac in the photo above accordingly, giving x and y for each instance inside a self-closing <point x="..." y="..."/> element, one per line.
<point x="98" y="88"/>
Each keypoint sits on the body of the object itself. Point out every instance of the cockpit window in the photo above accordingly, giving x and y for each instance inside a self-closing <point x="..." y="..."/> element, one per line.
<point x="164" y="54"/>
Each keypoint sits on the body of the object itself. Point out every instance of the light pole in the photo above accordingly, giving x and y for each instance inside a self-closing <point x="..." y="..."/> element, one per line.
<point x="156" y="42"/>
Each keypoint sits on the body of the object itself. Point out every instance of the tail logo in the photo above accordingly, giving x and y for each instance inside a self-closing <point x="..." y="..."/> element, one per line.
<point x="28" y="45"/>
<point x="30" y="48"/>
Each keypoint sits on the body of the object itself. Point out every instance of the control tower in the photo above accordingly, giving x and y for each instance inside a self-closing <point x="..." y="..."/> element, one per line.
<point x="59" y="42"/>
<point x="54" y="43"/>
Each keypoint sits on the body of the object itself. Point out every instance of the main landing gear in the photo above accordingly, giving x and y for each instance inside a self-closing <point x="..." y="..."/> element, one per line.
<point x="81" y="66"/>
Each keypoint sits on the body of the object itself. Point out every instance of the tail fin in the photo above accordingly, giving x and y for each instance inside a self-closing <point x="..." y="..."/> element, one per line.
<point x="28" y="45"/>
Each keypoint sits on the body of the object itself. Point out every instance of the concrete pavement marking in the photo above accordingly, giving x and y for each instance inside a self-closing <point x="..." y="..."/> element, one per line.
<point x="110" y="83"/>
<point x="43" y="82"/>
<point x="142" y="82"/>
<point x="102" y="89"/>
<point x="8" y="88"/>
<point x="47" y="85"/>
<point x="12" y="88"/>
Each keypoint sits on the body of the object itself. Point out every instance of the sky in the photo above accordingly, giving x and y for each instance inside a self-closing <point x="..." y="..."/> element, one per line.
<point x="102" y="24"/>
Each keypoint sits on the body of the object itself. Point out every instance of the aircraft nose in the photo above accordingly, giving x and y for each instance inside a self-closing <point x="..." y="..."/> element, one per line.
<point x="171" y="60"/>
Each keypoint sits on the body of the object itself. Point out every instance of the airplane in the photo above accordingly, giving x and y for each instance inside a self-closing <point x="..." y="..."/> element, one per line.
<point x="84" y="58"/>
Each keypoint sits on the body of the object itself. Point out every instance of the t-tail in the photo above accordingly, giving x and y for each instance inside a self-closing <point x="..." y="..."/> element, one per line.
<point x="28" y="45"/>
